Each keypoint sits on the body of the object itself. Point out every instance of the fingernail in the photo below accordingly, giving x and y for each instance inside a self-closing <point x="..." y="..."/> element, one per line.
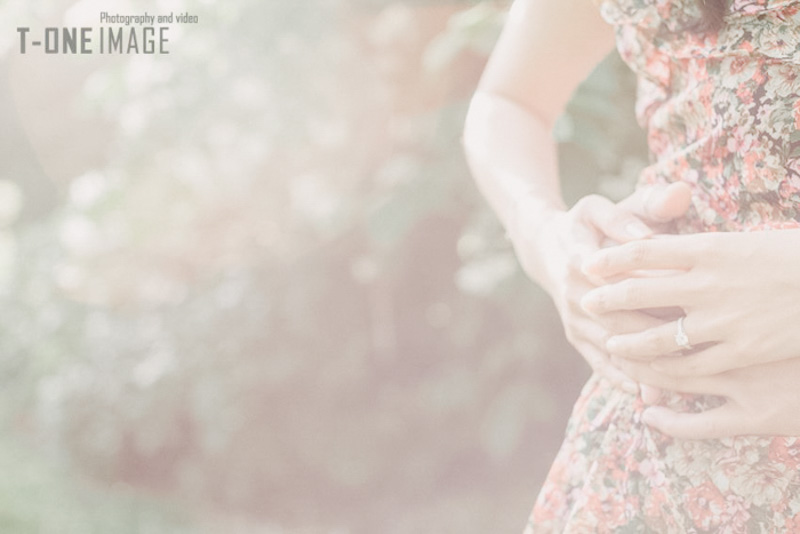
<point x="637" y="229"/>
<point x="650" y="395"/>
<point x="588" y="265"/>
<point x="630" y="387"/>
<point x="593" y="302"/>
<point x="649" y="417"/>
<point x="586" y="302"/>
<point x="612" y="345"/>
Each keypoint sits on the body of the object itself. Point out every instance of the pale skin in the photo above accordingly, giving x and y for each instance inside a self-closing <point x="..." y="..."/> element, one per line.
<point x="736" y="289"/>
<point x="739" y="292"/>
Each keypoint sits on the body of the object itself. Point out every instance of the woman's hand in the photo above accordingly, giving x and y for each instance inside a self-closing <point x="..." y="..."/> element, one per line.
<point x="759" y="400"/>
<point x="553" y="251"/>
<point x="737" y="290"/>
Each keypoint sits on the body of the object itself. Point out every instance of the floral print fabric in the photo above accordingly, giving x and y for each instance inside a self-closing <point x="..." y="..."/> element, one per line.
<point x="722" y="113"/>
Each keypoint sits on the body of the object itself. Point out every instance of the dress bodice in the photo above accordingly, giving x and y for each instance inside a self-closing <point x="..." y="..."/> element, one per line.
<point x="721" y="109"/>
<point x="722" y="113"/>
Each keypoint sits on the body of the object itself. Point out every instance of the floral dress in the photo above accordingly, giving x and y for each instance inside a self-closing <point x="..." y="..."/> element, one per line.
<point x="722" y="113"/>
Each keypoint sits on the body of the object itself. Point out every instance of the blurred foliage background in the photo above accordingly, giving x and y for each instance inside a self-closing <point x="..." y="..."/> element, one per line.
<point x="249" y="286"/>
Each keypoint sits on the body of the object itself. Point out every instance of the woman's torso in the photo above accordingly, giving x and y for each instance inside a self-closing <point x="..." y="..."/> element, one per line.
<point x="721" y="110"/>
<point x="722" y="113"/>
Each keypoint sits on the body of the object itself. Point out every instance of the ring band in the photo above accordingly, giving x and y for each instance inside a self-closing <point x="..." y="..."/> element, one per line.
<point x="681" y="338"/>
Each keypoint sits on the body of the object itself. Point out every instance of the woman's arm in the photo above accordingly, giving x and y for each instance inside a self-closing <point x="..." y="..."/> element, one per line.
<point x="545" y="51"/>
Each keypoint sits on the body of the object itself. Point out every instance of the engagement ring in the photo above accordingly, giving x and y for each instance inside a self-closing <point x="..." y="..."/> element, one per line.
<point x="681" y="338"/>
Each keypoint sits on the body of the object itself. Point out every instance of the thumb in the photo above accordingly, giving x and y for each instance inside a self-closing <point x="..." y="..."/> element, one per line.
<point x="722" y="422"/>
<point x="650" y="394"/>
<point x="658" y="203"/>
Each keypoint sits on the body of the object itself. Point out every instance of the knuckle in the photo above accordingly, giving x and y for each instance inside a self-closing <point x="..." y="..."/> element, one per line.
<point x="574" y="266"/>
<point x="618" y="218"/>
<point x="629" y="368"/>
<point x="584" y="204"/>
<point x="591" y="205"/>
<point x="573" y="298"/>
<point x="599" y="301"/>
<point x="574" y="307"/>
<point x="602" y="262"/>
<point x="615" y="322"/>
<point x="623" y="349"/>
<point x="653" y="343"/>
<point x="628" y="350"/>
<point x="631" y="294"/>
<point x="637" y="252"/>
<point x="688" y="366"/>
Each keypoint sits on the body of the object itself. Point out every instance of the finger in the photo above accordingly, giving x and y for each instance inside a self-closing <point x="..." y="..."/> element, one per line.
<point x="665" y="314"/>
<point x="626" y="322"/>
<point x="643" y="373"/>
<point x="584" y="243"/>
<point x="665" y="253"/>
<point x="620" y="379"/>
<point x="659" y="204"/>
<point x="600" y="363"/>
<point x="589" y="339"/>
<point x="722" y="422"/>
<point x="587" y="329"/>
<point x="582" y="249"/>
<point x="660" y="341"/>
<point x="713" y="360"/>
<point x="650" y="394"/>
<point x="638" y="294"/>
<point x="585" y="240"/>
<point x="611" y="220"/>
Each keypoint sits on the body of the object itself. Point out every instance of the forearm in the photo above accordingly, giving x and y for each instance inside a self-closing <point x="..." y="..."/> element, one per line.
<point x="513" y="159"/>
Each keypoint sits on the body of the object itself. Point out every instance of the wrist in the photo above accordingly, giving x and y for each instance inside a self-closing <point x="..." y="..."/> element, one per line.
<point x="529" y="215"/>
<point x="531" y="229"/>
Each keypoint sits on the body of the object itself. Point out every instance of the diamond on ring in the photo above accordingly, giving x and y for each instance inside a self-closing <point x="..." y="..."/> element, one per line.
<point x="681" y="338"/>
